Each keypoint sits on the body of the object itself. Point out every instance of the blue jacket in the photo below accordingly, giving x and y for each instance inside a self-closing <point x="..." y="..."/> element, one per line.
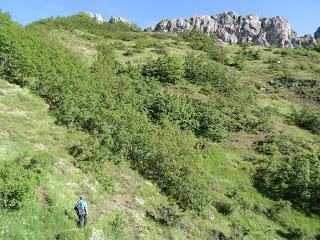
<point x="83" y="204"/>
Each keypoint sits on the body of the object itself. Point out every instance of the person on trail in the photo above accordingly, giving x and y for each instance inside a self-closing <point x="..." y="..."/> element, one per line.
<point x="81" y="209"/>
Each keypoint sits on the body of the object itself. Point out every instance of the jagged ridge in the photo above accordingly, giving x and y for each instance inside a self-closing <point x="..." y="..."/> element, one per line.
<point x="235" y="29"/>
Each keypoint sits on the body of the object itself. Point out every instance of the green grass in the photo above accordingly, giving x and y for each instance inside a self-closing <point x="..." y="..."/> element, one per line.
<point x="27" y="128"/>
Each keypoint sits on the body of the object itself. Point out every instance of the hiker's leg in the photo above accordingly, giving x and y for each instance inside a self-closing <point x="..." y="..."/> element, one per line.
<point x="80" y="221"/>
<point x="85" y="219"/>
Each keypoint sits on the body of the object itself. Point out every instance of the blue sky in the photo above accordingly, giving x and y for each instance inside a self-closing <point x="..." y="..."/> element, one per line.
<point x="303" y="15"/>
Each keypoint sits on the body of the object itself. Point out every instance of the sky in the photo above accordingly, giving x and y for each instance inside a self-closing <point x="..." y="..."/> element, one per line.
<point x="303" y="15"/>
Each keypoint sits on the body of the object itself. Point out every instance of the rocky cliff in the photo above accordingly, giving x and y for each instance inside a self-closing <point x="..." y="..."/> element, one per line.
<point x="317" y="33"/>
<point x="234" y="29"/>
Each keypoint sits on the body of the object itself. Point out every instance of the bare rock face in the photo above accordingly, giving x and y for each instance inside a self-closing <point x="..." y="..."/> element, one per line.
<point x="118" y="19"/>
<point x="235" y="29"/>
<point x="99" y="18"/>
<point x="96" y="16"/>
<point x="317" y="33"/>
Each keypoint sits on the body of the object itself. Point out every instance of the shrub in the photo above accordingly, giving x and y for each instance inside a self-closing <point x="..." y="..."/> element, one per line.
<point x="224" y="208"/>
<point x="283" y="144"/>
<point x="200" y="69"/>
<point x="295" y="234"/>
<point x="169" y="157"/>
<point x="130" y="52"/>
<point x="207" y="43"/>
<point x="308" y="118"/>
<point x="166" y="214"/>
<point x="280" y="211"/>
<point x="17" y="184"/>
<point x="300" y="161"/>
<point x="211" y="123"/>
<point x="168" y="68"/>
<point x="240" y="62"/>
<point x="246" y="54"/>
<point x="178" y="109"/>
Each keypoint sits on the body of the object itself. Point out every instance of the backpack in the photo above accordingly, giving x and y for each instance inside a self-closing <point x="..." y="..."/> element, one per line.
<point x="79" y="209"/>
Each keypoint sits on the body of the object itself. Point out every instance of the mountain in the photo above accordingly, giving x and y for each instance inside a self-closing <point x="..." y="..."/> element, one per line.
<point x="234" y="29"/>
<point x="167" y="137"/>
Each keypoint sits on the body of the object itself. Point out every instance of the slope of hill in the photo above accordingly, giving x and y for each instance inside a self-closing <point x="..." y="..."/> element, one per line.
<point x="169" y="137"/>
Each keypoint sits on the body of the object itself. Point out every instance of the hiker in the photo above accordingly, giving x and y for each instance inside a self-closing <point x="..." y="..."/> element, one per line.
<point x="82" y="212"/>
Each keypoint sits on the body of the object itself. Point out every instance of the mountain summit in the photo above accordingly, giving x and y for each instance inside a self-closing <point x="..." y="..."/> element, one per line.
<point x="232" y="28"/>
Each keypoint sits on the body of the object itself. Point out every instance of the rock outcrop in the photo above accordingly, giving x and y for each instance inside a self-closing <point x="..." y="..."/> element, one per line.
<point x="118" y="19"/>
<point x="317" y="33"/>
<point x="234" y="29"/>
<point x="99" y="18"/>
<point x="96" y="16"/>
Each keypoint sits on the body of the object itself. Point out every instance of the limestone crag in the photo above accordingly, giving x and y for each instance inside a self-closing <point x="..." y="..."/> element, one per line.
<point x="234" y="29"/>
<point x="96" y="16"/>
<point x="118" y="19"/>
<point x="317" y="33"/>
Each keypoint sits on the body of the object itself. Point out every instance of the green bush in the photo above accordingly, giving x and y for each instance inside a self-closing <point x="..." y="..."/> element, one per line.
<point x="300" y="161"/>
<point x="280" y="211"/>
<point x="224" y="208"/>
<point x="200" y="69"/>
<point x="246" y="54"/>
<point x="17" y="184"/>
<point x="168" y="156"/>
<point x="308" y="118"/>
<point x="168" y="68"/>
<point x="295" y="234"/>
<point x="166" y="214"/>
<point x="207" y="43"/>
<point x="178" y="109"/>
<point x="212" y="123"/>
<point x="240" y="62"/>
<point x="281" y="143"/>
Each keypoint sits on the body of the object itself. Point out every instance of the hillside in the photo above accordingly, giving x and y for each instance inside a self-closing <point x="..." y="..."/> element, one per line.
<point x="168" y="137"/>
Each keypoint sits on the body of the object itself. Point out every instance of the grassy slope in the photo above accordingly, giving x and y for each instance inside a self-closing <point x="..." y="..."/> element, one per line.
<point x="26" y="128"/>
<point x="122" y="214"/>
<point x="230" y="164"/>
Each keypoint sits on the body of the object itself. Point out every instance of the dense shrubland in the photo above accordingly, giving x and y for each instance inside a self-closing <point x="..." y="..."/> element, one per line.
<point x="142" y="115"/>
<point x="292" y="171"/>
<point x="123" y="110"/>
<point x="20" y="178"/>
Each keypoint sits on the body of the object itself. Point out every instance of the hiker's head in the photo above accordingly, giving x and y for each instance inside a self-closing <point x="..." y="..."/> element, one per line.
<point x="82" y="198"/>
